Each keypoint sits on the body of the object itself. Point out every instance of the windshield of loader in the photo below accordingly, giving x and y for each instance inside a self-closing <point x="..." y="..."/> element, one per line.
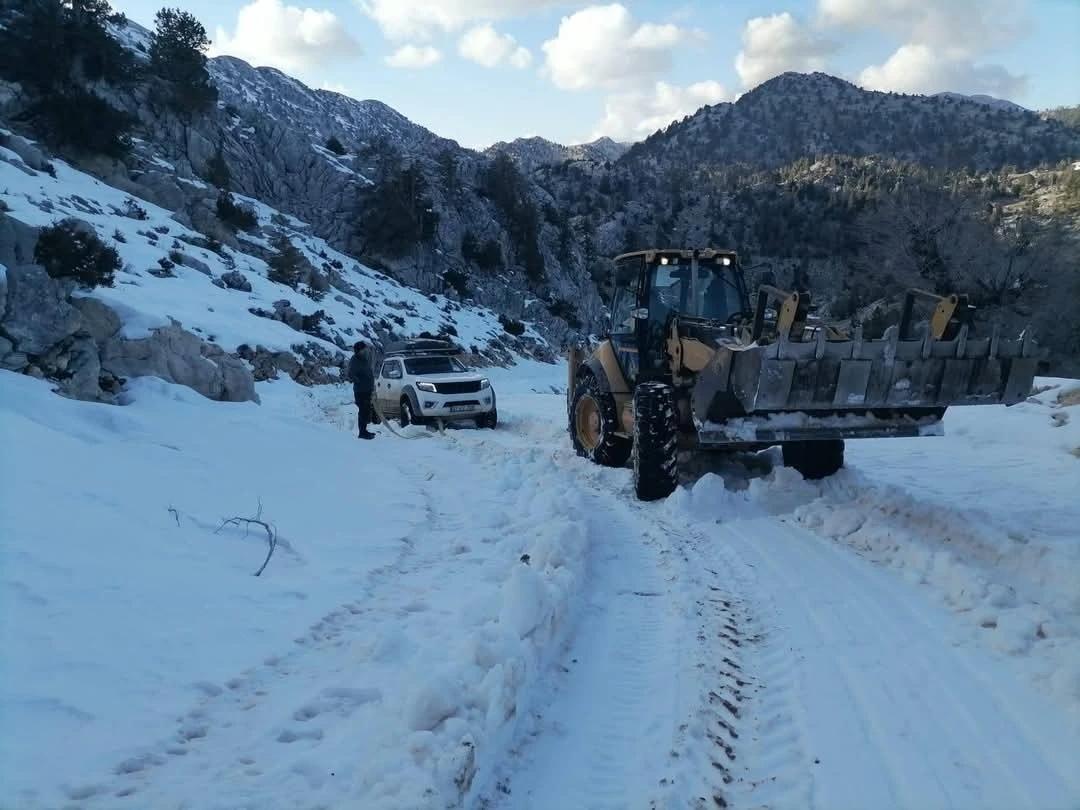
<point x="714" y="295"/>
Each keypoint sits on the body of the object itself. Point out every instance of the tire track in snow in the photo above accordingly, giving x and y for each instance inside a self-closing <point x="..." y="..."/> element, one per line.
<point x="747" y="679"/>
<point x="899" y="719"/>
<point x="608" y="718"/>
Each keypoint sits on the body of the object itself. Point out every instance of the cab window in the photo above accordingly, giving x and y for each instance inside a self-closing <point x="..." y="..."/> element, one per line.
<point x="626" y="283"/>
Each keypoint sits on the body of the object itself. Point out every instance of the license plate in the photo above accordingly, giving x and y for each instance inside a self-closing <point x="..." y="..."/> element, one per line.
<point x="457" y="408"/>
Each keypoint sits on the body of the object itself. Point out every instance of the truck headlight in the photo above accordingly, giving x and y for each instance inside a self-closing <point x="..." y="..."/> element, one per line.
<point x="485" y="383"/>
<point x="426" y="386"/>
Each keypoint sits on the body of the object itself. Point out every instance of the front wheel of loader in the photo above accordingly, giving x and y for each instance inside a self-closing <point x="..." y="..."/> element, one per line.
<point x="656" y="441"/>
<point x="593" y="423"/>
<point x="814" y="459"/>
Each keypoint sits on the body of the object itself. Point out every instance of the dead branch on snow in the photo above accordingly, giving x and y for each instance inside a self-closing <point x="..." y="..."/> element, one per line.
<point x="271" y="532"/>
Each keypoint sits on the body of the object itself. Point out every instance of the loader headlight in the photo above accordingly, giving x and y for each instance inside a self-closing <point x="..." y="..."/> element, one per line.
<point x="426" y="386"/>
<point x="485" y="383"/>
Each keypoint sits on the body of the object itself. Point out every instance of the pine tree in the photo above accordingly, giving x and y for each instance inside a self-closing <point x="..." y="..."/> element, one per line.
<point x="177" y="55"/>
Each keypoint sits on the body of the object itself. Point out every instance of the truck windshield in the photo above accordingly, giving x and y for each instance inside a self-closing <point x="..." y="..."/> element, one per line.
<point x="718" y="295"/>
<point x="418" y="366"/>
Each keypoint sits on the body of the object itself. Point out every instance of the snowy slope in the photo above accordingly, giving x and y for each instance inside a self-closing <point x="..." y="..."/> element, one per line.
<point x="747" y="641"/>
<point x="370" y="302"/>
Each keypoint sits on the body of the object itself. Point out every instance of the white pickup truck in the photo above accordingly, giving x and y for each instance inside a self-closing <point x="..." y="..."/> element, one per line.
<point x="422" y="380"/>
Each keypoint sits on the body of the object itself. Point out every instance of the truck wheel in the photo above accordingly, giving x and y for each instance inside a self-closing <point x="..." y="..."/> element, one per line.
<point x="408" y="414"/>
<point x="488" y="420"/>
<point x="814" y="459"/>
<point x="656" y="441"/>
<point x="593" y="423"/>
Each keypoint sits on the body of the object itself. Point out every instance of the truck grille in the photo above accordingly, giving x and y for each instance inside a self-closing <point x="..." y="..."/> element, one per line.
<point x="467" y="387"/>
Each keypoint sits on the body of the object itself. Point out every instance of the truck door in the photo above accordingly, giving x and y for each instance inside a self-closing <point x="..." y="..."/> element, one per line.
<point x="388" y="386"/>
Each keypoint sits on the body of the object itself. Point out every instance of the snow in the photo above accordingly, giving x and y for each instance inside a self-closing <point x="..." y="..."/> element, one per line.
<point x="400" y="650"/>
<point x="145" y="639"/>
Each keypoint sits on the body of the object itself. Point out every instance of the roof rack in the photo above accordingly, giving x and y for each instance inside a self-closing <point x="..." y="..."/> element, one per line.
<point x="422" y="346"/>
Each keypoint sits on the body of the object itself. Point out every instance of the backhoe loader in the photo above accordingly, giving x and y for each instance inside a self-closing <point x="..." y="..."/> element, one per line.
<point x="690" y="364"/>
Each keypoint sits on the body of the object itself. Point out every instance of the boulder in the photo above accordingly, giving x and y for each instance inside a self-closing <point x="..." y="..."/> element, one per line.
<point x="38" y="315"/>
<point x="235" y="280"/>
<point x="31" y="155"/>
<point x="82" y="379"/>
<point x="237" y="381"/>
<point x="178" y="356"/>
<point x="161" y="189"/>
<point x="193" y="263"/>
<point x="286" y="313"/>
<point x="17" y="241"/>
<point x="99" y="320"/>
<point x="11" y="360"/>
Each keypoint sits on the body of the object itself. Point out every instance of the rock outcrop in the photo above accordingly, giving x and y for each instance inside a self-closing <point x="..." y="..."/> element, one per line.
<point x="49" y="331"/>
<point x="178" y="356"/>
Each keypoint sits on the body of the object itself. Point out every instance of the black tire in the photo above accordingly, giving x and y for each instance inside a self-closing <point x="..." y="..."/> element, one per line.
<point x="596" y="442"/>
<point x="489" y="419"/>
<point x="656" y="441"/>
<point x="408" y="413"/>
<point x="814" y="459"/>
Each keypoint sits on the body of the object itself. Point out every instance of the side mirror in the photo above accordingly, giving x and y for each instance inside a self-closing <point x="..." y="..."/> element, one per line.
<point x="640" y="314"/>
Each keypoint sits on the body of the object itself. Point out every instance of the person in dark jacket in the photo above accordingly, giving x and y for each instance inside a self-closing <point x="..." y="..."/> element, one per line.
<point x="362" y="376"/>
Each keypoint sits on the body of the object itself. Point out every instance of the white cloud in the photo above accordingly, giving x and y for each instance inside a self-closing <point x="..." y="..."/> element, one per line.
<point x="421" y="19"/>
<point x="286" y="37"/>
<point x="634" y="115"/>
<point x="486" y="46"/>
<point x="959" y="28"/>
<point x="920" y="69"/>
<point x="414" y="56"/>
<point x="944" y="43"/>
<point x="775" y="44"/>
<point x="604" y="47"/>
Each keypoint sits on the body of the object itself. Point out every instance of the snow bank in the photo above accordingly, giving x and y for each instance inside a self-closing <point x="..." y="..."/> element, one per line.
<point x="389" y="650"/>
<point x="987" y="517"/>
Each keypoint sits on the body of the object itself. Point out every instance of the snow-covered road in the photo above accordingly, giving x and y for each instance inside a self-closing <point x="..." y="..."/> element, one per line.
<point x="752" y="663"/>
<point x="745" y="661"/>
<point x="486" y="621"/>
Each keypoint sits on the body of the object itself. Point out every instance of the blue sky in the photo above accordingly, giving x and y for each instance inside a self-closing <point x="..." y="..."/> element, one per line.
<point x="480" y="71"/>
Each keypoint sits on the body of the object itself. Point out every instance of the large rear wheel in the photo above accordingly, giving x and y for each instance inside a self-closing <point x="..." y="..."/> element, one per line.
<point x="593" y="425"/>
<point x="814" y="459"/>
<point x="656" y="441"/>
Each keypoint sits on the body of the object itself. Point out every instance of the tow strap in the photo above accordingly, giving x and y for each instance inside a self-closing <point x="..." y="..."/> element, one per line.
<point x="384" y="421"/>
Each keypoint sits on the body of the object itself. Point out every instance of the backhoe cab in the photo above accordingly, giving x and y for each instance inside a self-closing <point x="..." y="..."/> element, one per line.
<point x="692" y="363"/>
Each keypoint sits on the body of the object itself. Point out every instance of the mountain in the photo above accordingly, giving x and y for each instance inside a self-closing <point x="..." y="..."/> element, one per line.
<point x="1067" y="115"/>
<point x="374" y="184"/>
<point x="531" y="153"/>
<point x="982" y="98"/>
<point x="787" y="175"/>
<point x="795" y="116"/>
<point x="379" y="187"/>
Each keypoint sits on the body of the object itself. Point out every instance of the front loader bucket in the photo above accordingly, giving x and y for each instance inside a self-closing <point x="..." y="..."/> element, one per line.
<point x="824" y="377"/>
